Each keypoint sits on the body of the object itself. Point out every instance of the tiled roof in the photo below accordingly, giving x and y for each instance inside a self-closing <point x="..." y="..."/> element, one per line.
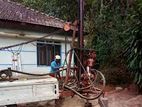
<point x="17" y="12"/>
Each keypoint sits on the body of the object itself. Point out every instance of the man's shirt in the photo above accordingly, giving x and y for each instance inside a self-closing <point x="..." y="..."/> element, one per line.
<point x="54" y="66"/>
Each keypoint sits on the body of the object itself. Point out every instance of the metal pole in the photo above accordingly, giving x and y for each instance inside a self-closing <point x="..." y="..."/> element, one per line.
<point x="80" y="37"/>
<point x="81" y="16"/>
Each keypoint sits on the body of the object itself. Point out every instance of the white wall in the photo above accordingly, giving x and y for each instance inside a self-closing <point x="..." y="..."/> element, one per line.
<point x="28" y="55"/>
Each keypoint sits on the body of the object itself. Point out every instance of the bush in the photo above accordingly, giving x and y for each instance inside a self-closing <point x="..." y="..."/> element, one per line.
<point x="117" y="75"/>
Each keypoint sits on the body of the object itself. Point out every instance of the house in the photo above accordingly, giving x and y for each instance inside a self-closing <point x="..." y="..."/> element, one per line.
<point x="20" y="24"/>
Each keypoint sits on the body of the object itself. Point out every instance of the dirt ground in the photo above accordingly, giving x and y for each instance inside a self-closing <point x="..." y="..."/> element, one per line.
<point x="64" y="102"/>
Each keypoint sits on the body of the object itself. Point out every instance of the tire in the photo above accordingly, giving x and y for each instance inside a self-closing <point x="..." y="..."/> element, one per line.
<point x="13" y="105"/>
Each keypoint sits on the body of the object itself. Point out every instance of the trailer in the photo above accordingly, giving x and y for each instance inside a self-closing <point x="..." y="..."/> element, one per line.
<point x="28" y="90"/>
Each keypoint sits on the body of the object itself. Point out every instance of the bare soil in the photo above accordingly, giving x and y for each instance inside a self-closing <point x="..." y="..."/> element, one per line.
<point x="64" y="102"/>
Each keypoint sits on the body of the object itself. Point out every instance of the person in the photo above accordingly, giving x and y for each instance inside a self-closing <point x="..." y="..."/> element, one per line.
<point x="55" y="65"/>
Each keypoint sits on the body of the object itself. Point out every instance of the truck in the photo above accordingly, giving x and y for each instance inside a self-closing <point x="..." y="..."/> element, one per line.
<point x="27" y="90"/>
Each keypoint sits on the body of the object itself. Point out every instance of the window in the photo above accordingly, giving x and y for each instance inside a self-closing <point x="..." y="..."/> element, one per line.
<point x="46" y="52"/>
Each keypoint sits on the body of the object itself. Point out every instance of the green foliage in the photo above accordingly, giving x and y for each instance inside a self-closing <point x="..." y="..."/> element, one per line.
<point x="134" y="46"/>
<point x="116" y="28"/>
<point x="108" y="32"/>
<point x="117" y="75"/>
<point x="64" y="9"/>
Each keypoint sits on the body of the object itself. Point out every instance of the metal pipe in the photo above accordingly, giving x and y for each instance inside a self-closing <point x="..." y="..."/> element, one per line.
<point x="80" y="37"/>
<point x="81" y="26"/>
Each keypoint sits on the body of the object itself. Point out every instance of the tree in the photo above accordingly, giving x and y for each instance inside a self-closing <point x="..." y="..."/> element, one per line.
<point x="116" y="28"/>
<point x="134" y="45"/>
<point x="64" y="9"/>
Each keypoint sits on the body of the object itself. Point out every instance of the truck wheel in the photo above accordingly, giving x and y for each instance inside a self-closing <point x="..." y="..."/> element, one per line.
<point x="13" y="105"/>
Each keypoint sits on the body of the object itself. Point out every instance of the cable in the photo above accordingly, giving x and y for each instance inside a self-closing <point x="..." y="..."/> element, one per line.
<point x="18" y="51"/>
<point x="91" y="82"/>
<point x="51" y="38"/>
<point x="23" y="43"/>
<point x="26" y="73"/>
